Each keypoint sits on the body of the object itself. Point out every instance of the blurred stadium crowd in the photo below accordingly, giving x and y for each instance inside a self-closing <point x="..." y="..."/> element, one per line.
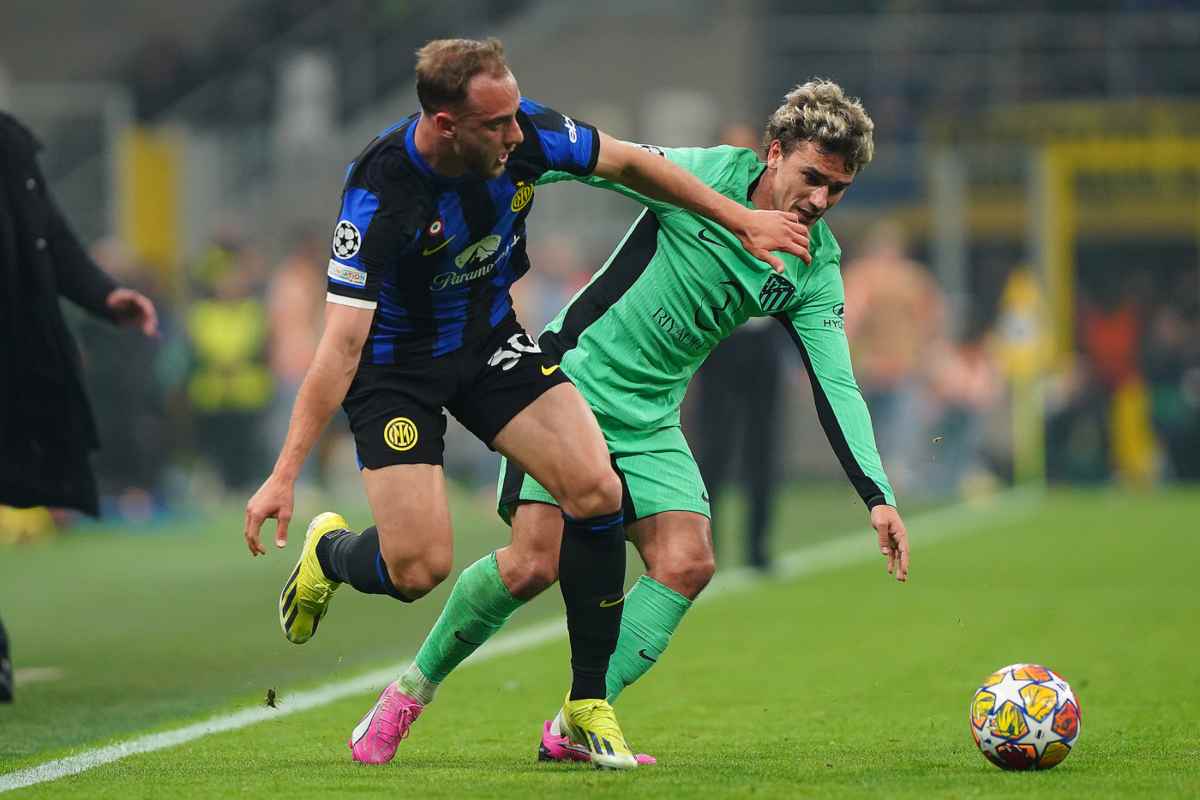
<point x="200" y="416"/>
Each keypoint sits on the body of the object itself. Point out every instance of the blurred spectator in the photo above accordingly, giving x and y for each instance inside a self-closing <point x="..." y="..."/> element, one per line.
<point x="129" y="403"/>
<point x="895" y="317"/>
<point x="1111" y="332"/>
<point x="559" y="272"/>
<point x="1110" y="329"/>
<point x="966" y="385"/>
<point x="47" y="428"/>
<point x="1171" y="355"/>
<point x="230" y="386"/>
<point x="1077" y="425"/>
<point x="295" y="308"/>
<point x="737" y="409"/>
<point x="47" y="431"/>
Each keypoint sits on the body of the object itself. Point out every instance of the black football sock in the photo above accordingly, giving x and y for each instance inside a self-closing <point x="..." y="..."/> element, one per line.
<point x="591" y="574"/>
<point x="354" y="558"/>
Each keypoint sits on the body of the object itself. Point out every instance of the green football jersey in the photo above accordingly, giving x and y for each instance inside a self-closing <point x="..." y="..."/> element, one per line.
<point x="677" y="284"/>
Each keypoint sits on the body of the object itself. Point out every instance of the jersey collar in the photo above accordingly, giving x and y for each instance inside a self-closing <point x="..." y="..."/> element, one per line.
<point x="762" y="168"/>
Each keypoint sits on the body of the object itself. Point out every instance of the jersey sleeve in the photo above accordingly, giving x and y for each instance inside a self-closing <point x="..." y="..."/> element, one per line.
<point x="569" y="145"/>
<point x="378" y="223"/>
<point x="816" y="328"/>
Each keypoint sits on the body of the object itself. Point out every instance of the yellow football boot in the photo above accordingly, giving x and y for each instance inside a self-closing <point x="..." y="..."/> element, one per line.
<point x="304" y="600"/>
<point x="593" y="724"/>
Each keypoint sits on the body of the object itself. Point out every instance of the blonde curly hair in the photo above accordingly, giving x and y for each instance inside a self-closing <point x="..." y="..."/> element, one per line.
<point x="820" y="112"/>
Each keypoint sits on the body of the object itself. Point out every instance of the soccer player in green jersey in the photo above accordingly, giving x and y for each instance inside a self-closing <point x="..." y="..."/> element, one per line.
<point x="632" y="339"/>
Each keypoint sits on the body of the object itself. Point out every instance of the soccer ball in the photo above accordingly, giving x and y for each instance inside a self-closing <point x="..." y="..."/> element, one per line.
<point x="1024" y="717"/>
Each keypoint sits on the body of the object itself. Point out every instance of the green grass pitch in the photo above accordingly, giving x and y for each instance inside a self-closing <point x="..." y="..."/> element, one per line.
<point x="833" y="683"/>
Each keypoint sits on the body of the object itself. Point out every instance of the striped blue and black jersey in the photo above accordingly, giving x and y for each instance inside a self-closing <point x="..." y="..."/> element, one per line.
<point x="435" y="256"/>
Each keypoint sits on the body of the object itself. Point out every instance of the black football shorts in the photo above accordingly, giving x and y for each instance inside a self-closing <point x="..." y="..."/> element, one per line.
<point x="396" y="410"/>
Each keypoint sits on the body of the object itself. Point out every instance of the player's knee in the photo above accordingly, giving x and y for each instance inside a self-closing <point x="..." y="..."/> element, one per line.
<point x="592" y="494"/>
<point x="690" y="575"/>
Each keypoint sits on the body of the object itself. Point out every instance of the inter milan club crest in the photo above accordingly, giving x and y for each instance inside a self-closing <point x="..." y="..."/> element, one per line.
<point x="522" y="197"/>
<point x="346" y="239"/>
<point x="775" y="294"/>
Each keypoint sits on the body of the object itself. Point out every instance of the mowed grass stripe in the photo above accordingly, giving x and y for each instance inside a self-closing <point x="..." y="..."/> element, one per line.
<point x="844" y="550"/>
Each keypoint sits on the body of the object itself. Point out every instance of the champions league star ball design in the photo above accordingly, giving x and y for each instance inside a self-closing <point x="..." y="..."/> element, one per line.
<point x="346" y="239"/>
<point x="1024" y="717"/>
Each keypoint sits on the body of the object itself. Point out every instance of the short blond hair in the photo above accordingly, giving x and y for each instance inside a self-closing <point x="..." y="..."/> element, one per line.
<point x="820" y="112"/>
<point x="446" y="66"/>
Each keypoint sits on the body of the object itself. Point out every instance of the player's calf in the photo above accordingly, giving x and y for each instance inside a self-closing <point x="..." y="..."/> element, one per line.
<point x="356" y="559"/>
<point x="592" y="581"/>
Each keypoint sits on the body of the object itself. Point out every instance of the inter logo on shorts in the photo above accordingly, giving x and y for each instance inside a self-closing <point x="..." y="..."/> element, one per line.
<point x="523" y="196"/>
<point x="775" y="293"/>
<point x="400" y="434"/>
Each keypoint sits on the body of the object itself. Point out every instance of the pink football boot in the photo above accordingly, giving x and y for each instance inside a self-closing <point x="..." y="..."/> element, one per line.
<point x="379" y="733"/>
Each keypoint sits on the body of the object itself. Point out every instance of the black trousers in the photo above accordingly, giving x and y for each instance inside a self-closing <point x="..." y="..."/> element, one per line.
<point x="738" y="412"/>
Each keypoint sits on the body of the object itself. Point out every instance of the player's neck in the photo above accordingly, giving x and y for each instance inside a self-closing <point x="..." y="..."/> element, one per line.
<point x="436" y="153"/>
<point x="761" y="197"/>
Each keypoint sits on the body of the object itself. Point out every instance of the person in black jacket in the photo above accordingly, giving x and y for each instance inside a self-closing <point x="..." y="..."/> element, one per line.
<point x="46" y="427"/>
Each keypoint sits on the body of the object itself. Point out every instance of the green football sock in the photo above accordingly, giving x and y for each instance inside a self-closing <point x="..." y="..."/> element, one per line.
<point x="479" y="605"/>
<point x="652" y="612"/>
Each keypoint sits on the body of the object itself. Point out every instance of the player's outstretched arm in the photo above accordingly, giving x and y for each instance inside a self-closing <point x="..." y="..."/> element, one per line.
<point x="324" y="387"/>
<point x="759" y="231"/>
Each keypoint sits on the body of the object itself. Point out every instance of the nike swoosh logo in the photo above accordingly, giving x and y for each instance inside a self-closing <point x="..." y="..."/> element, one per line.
<point x="642" y="653"/>
<point x="704" y="238"/>
<point x="433" y="250"/>
<point x="611" y="603"/>
<point x="549" y="370"/>
<point x="458" y="635"/>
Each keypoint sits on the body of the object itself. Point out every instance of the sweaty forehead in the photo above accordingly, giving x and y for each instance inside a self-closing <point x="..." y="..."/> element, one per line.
<point x="493" y="95"/>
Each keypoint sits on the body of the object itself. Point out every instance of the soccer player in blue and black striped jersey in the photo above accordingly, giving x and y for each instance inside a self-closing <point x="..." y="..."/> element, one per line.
<point x="419" y="320"/>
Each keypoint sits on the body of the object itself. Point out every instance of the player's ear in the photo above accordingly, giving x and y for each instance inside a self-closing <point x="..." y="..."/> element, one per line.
<point x="445" y="124"/>
<point x="774" y="154"/>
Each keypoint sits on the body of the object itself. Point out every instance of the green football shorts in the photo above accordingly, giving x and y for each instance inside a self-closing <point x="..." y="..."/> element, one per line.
<point x="657" y="470"/>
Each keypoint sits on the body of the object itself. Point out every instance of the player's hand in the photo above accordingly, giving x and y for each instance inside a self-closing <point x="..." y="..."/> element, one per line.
<point x="273" y="500"/>
<point x="893" y="539"/>
<point x="134" y="310"/>
<point x="763" y="231"/>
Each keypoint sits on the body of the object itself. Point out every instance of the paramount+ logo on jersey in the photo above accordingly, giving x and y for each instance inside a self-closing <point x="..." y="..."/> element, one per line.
<point x="477" y="260"/>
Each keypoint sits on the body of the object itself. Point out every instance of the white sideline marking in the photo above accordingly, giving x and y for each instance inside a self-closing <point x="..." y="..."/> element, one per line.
<point x="851" y="548"/>
<point x="28" y="675"/>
